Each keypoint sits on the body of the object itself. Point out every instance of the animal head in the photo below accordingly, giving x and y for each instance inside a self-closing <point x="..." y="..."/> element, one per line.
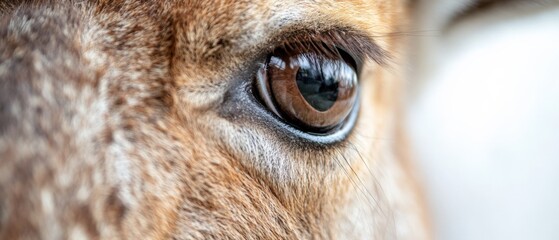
<point x="191" y="120"/>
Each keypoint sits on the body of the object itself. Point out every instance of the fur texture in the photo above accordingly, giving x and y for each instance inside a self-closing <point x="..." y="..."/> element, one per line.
<point x="126" y="119"/>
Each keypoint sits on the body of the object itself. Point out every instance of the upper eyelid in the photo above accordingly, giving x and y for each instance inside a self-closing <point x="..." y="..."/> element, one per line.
<point x="354" y="42"/>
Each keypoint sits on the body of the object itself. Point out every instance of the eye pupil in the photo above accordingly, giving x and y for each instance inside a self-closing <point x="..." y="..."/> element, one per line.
<point x="318" y="90"/>
<point x="314" y="91"/>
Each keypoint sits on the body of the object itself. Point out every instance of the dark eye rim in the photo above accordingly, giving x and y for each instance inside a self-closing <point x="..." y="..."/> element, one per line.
<point x="338" y="131"/>
<point x="334" y="135"/>
<point x="241" y="106"/>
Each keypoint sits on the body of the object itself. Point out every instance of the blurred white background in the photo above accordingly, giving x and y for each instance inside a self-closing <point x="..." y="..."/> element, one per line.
<point x="484" y="119"/>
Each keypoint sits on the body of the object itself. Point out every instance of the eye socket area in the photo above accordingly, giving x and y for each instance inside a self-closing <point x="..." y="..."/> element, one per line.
<point x="313" y="89"/>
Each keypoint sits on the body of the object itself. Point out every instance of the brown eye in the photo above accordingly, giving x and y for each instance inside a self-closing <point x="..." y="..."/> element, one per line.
<point x="313" y="90"/>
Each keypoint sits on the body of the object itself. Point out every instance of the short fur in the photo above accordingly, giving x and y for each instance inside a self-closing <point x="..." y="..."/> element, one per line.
<point x="120" y="119"/>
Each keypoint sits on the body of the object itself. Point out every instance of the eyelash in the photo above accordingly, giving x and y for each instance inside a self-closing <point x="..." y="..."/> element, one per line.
<point x="243" y="105"/>
<point x="290" y="102"/>
<point x="359" y="46"/>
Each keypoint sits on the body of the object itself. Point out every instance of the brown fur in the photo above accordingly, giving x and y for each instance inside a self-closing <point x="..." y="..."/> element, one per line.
<point x="117" y="120"/>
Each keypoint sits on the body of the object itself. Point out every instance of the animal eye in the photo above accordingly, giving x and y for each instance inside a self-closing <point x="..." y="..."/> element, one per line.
<point x="312" y="89"/>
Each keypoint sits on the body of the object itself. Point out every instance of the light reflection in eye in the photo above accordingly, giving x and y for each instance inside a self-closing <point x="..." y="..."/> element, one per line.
<point x="309" y="89"/>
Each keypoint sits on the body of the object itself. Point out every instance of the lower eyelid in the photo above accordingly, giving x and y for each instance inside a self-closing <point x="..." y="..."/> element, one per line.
<point x="299" y="99"/>
<point x="243" y="109"/>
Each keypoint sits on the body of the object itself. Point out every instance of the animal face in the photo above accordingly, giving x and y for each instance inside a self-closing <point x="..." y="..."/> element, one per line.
<point x="203" y="120"/>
